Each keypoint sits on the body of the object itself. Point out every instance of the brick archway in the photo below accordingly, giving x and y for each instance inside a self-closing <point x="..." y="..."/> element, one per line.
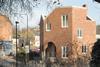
<point x="51" y="50"/>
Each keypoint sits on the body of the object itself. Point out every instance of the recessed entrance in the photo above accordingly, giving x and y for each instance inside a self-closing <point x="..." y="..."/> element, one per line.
<point x="51" y="50"/>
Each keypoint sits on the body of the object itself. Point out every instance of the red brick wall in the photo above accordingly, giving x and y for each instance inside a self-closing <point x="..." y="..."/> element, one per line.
<point x="5" y="28"/>
<point x="59" y="36"/>
<point x="88" y="28"/>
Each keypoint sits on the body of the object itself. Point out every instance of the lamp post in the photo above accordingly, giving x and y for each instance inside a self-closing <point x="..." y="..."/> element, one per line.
<point x="16" y="43"/>
<point x="27" y="24"/>
<point x="27" y="40"/>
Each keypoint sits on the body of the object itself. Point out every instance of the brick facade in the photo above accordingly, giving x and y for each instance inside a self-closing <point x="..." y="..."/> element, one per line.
<point x="77" y="18"/>
<point x="5" y="28"/>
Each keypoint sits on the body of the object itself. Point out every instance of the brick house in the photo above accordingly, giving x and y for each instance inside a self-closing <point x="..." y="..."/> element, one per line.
<point x="5" y="34"/>
<point x="5" y="28"/>
<point x="67" y="32"/>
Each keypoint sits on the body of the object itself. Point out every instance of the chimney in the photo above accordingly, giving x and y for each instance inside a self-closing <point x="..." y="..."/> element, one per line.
<point x="84" y="5"/>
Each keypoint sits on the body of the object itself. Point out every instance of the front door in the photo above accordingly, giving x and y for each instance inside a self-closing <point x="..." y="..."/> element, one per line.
<point x="51" y="50"/>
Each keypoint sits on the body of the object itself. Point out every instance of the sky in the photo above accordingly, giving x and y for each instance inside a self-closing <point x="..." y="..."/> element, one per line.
<point x="93" y="11"/>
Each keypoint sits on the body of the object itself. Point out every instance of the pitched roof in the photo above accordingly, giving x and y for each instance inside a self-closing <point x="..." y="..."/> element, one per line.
<point x="41" y="20"/>
<point x="89" y="18"/>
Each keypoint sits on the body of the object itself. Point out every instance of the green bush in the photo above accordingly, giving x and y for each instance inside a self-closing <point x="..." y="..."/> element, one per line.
<point x="21" y="55"/>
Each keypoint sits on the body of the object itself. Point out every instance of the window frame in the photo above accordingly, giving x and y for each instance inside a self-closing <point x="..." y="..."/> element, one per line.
<point x="84" y="49"/>
<point x="64" y="21"/>
<point x="64" y="51"/>
<point x="79" y="33"/>
<point x="47" y="24"/>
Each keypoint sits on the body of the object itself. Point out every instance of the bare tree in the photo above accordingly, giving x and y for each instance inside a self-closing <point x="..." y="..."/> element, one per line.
<point x="8" y="7"/>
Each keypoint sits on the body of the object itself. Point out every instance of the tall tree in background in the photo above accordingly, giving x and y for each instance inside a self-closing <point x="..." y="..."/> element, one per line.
<point x="23" y="33"/>
<point x="8" y="7"/>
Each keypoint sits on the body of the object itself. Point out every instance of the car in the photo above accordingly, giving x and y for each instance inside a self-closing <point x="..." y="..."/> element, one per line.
<point x="35" y="54"/>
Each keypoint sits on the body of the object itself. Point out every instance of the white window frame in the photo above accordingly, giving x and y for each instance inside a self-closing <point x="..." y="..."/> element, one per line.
<point x="84" y="49"/>
<point x="64" y="22"/>
<point x="62" y="52"/>
<point x="79" y="33"/>
<point x="47" y="27"/>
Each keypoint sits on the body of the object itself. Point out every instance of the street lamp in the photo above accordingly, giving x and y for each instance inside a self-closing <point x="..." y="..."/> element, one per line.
<point x="27" y="41"/>
<point x="26" y="21"/>
<point x="16" y="42"/>
<point x="27" y="26"/>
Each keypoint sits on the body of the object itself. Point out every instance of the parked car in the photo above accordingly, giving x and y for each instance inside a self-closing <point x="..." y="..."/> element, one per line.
<point x="35" y="54"/>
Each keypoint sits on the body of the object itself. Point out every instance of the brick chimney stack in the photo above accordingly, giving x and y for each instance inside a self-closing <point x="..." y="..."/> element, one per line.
<point x="84" y="5"/>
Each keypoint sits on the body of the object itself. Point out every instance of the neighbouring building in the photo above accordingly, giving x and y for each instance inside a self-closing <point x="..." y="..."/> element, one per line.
<point x="67" y="33"/>
<point x="14" y="44"/>
<point x="5" y="28"/>
<point x="37" y="41"/>
<point x="36" y="45"/>
<point x="5" y="33"/>
<point x="37" y="37"/>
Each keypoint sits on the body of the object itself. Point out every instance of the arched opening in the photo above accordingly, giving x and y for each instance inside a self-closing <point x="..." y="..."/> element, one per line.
<point x="51" y="50"/>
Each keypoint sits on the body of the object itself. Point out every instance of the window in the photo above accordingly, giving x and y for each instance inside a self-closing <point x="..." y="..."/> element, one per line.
<point x="84" y="49"/>
<point x="64" y="21"/>
<point x="64" y="51"/>
<point x="48" y="27"/>
<point x="79" y="33"/>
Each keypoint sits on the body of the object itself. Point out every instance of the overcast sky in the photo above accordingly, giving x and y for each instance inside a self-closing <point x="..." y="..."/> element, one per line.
<point x="93" y="11"/>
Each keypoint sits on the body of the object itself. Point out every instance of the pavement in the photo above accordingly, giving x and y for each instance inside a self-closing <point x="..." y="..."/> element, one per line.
<point x="8" y="58"/>
<point x="7" y="61"/>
